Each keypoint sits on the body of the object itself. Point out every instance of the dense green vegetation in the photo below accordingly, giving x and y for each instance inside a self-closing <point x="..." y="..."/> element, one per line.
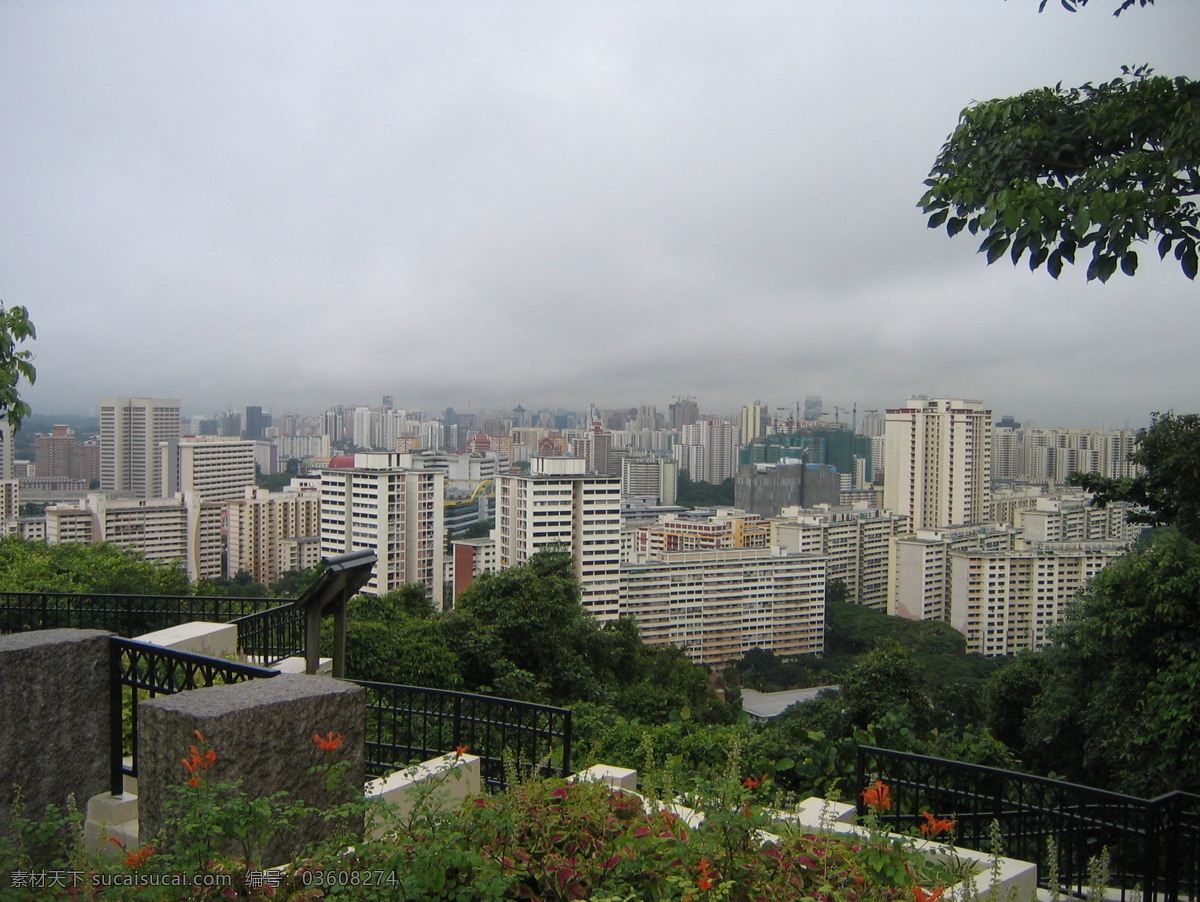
<point x="703" y="494"/>
<point x="27" y="566"/>
<point x="1123" y="675"/>
<point x="523" y="633"/>
<point x="37" y="567"/>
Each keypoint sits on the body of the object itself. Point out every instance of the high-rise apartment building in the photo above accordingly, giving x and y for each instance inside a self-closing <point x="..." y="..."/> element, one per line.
<point x="266" y="529"/>
<point x="650" y="476"/>
<point x="920" y="566"/>
<point x="558" y="504"/>
<point x="1070" y="517"/>
<point x="158" y="529"/>
<point x="1051" y="455"/>
<point x="596" y="447"/>
<point x="131" y="433"/>
<point x="10" y="504"/>
<point x="753" y="422"/>
<point x="938" y="462"/>
<point x="371" y="501"/>
<point x="215" y="468"/>
<point x="717" y="605"/>
<point x="856" y="546"/>
<point x="708" y="451"/>
<point x="52" y="452"/>
<point x="1005" y="602"/>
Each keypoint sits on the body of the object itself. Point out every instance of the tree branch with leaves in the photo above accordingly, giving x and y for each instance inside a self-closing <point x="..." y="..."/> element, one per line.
<point x="15" y="363"/>
<point x="1058" y="172"/>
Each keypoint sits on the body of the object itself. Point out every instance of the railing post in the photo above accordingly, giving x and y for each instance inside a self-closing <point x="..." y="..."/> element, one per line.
<point x="1165" y="849"/>
<point x="457" y="721"/>
<point x="860" y="776"/>
<point x="566" y="759"/>
<point x="115" y="720"/>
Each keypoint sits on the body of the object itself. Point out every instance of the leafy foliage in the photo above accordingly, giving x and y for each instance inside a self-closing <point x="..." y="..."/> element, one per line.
<point x="1075" y="5"/>
<point x="1125" y="672"/>
<point x="1169" y="487"/>
<point x="15" y="364"/>
<point x="1056" y="171"/>
<point x="37" y="567"/>
<point x="703" y="494"/>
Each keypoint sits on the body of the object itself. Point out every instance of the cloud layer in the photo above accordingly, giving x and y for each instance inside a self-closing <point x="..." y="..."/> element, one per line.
<point x="478" y="204"/>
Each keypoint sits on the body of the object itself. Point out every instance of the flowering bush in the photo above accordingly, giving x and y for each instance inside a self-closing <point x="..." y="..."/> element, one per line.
<point x="546" y="840"/>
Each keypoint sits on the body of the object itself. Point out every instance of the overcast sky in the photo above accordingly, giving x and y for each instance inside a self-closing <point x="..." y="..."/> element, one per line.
<point x="298" y="204"/>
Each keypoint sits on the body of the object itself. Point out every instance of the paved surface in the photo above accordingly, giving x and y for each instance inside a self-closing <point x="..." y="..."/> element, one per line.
<point x="766" y="705"/>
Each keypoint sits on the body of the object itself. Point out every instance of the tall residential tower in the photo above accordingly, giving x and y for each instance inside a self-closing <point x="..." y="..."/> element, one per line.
<point x="131" y="430"/>
<point x="938" y="462"/>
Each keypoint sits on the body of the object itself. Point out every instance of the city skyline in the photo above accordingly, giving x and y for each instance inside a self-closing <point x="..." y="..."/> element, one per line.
<point x="834" y="415"/>
<point x="301" y="205"/>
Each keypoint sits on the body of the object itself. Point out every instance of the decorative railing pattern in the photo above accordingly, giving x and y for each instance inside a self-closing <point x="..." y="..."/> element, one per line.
<point x="406" y="724"/>
<point x="267" y="637"/>
<point x="125" y="615"/>
<point x="1153" y="845"/>
<point x="139" y="670"/>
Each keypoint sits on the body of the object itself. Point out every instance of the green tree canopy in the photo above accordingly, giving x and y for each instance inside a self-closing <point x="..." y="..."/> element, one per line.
<point x="37" y="567"/>
<point x="1059" y="171"/>
<point x="1169" y="486"/>
<point x="1118" y="698"/>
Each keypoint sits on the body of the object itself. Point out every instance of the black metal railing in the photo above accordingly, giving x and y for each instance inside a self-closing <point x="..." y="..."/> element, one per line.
<point x="407" y="724"/>
<point x="125" y="615"/>
<point x="267" y="637"/>
<point x="139" y="670"/>
<point x="1152" y="845"/>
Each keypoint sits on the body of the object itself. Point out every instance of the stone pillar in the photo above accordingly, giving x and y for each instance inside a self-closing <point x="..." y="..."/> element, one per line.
<point x="54" y="735"/>
<point x="262" y="733"/>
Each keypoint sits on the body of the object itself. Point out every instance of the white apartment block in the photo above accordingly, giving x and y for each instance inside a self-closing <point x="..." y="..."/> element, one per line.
<point x="398" y="513"/>
<point x="299" y="554"/>
<point x="708" y="451"/>
<point x="1051" y="455"/>
<point x="303" y="446"/>
<point x="937" y="469"/>
<point x="856" y="546"/>
<point x="919" y="566"/>
<point x="214" y="468"/>
<point x="1072" y="518"/>
<point x="183" y="530"/>
<point x="131" y="433"/>
<point x="753" y="422"/>
<point x="364" y="427"/>
<point x="463" y="471"/>
<point x="267" y="533"/>
<point x="1004" y="602"/>
<point x="720" y="604"/>
<point x="559" y="505"/>
<point x="650" y="476"/>
<point x="1007" y="502"/>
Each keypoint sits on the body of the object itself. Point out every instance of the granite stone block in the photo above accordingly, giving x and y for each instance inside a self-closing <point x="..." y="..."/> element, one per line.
<point x="262" y="732"/>
<point x="54" y="734"/>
